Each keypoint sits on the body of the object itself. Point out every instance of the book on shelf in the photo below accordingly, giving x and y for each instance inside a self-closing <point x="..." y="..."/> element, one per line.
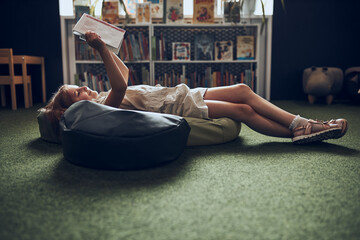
<point x="181" y="51"/>
<point x="135" y="47"/>
<point x="204" y="46"/>
<point x="224" y="50"/>
<point x="110" y="34"/>
<point x="153" y="48"/>
<point x="97" y="82"/>
<point x="84" y="52"/>
<point x="143" y="13"/>
<point x="158" y="48"/>
<point x="110" y="12"/>
<point x="138" y="77"/>
<point x="203" y="11"/>
<point x="174" y="11"/>
<point x="248" y="77"/>
<point x="162" y="47"/>
<point x="156" y="8"/>
<point x="206" y="77"/>
<point x="245" y="47"/>
<point x="232" y="11"/>
<point x="130" y="6"/>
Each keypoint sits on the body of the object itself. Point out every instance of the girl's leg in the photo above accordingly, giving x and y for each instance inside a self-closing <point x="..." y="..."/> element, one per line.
<point x="241" y="93"/>
<point x="246" y="114"/>
<point x="240" y="103"/>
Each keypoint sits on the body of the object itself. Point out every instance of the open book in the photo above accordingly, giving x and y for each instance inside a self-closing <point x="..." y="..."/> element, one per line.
<point x="110" y="34"/>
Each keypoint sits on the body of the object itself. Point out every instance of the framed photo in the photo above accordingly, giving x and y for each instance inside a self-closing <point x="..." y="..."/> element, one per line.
<point x="245" y="47"/>
<point x="181" y="51"/>
<point x="143" y="13"/>
<point x="157" y="8"/>
<point x="224" y="50"/>
<point x="204" y="46"/>
<point x="174" y="11"/>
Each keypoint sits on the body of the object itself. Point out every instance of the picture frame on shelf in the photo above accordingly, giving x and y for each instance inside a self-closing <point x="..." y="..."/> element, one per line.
<point x="143" y="13"/>
<point x="156" y="8"/>
<point x="245" y="48"/>
<point x="181" y="51"/>
<point x="204" y="46"/>
<point x="110" y="12"/>
<point x="174" y="12"/>
<point x="224" y="50"/>
<point x="204" y="11"/>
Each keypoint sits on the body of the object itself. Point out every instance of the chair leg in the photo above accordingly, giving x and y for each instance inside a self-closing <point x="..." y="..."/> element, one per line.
<point x="26" y="94"/>
<point x="30" y="93"/>
<point x="13" y="96"/>
<point x="3" y="97"/>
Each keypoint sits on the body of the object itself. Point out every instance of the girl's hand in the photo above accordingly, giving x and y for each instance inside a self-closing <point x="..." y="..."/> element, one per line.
<point x="94" y="40"/>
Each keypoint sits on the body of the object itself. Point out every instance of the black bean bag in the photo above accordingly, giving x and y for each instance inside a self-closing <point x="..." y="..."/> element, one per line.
<point x="103" y="137"/>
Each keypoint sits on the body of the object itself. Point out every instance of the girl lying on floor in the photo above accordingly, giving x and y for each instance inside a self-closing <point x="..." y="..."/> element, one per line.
<point x="237" y="102"/>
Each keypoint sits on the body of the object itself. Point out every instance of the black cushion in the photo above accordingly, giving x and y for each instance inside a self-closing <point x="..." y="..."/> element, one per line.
<point x="99" y="136"/>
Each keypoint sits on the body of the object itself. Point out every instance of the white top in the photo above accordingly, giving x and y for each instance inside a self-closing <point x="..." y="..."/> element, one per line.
<point x="179" y="100"/>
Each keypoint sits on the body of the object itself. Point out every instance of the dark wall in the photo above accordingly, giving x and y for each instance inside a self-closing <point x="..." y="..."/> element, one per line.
<point x="33" y="28"/>
<point x="312" y="33"/>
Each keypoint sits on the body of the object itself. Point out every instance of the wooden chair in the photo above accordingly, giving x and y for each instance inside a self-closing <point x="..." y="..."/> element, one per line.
<point x="6" y="57"/>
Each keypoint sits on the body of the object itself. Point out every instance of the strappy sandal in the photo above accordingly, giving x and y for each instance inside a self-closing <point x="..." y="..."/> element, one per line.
<point x="308" y="133"/>
<point x="341" y="122"/>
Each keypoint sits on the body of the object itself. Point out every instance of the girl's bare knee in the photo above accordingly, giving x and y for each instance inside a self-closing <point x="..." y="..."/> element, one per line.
<point x="243" y="88"/>
<point x="244" y="111"/>
<point x="243" y="91"/>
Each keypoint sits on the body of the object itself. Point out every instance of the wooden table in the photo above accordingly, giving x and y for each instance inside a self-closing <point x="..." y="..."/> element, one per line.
<point x="24" y="60"/>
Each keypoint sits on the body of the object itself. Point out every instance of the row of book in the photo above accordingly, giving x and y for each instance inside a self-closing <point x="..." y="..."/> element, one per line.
<point x="207" y="78"/>
<point x="84" y="52"/>
<point x="136" y="77"/>
<point x="100" y="82"/>
<point x="135" y="47"/>
<point x="97" y="82"/>
<point x="206" y="48"/>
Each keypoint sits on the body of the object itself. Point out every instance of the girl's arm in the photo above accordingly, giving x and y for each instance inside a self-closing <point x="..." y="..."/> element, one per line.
<point x="115" y="68"/>
<point x="123" y="68"/>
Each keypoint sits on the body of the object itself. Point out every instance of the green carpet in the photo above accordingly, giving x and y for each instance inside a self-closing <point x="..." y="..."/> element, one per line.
<point x="256" y="187"/>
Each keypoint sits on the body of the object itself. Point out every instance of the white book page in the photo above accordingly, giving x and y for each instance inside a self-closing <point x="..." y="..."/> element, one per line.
<point x="110" y="34"/>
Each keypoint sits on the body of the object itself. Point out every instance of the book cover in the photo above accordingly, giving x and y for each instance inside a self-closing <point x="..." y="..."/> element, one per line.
<point x="232" y="12"/>
<point x="153" y="48"/>
<point x="156" y="8"/>
<point x="181" y="51"/>
<point x="245" y="47"/>
<point x="224" y="50"/>
<point x="203" y="11"/>
<point x="110" y="34"/>
<point x="174" y="11"/>
<point x="143" y="13"/>
<point x="110" y="12"/>
<point x="204" y="46"/>
<point x="131" y="6"/>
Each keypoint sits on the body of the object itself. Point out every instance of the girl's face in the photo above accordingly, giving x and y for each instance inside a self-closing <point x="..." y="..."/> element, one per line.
<point x="81" y="93"/>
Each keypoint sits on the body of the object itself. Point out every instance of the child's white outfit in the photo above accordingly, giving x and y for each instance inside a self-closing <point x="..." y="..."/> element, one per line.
<point x="179" y="100"/>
